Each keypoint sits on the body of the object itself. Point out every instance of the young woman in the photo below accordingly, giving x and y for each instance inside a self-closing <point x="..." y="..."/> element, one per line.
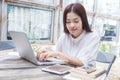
<point x="79" y="45"/>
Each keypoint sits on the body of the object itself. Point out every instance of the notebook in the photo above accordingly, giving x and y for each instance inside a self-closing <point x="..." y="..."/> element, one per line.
<point x="80" y="74"/>
<point x="25" y="51"/>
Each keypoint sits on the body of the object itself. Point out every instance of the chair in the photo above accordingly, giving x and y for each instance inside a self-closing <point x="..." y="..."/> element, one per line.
<point x="106" y="57"/>
<point x="4" y="45"/>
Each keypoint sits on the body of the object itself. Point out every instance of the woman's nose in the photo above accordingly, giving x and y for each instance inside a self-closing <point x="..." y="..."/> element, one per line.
<point x="72" y="24"/>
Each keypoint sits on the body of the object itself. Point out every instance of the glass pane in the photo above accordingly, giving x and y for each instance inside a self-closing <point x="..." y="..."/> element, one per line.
<point x="109" y="7"/>
<point x="107" y="29"/>
<point x="45" y="1"/>
<point x="90" y="20"/>
<point x="66" y="2"/>
<point x="88" y="4"/>
<point x="36" y="23"/>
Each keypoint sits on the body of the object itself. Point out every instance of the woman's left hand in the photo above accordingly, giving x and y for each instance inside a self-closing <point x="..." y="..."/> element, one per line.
<point x="45" y="54"/>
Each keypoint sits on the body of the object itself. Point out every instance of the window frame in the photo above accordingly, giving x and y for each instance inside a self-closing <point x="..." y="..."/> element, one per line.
<point x="31" y="4"/>
<point x="0" y="18"/>
<point x="37" y="8"/>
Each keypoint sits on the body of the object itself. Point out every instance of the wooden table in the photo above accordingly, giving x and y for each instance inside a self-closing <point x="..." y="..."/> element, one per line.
<point x="12" y="67"/>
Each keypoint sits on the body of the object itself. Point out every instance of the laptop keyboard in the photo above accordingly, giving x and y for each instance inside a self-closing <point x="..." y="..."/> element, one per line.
<point x="43" y="61"/>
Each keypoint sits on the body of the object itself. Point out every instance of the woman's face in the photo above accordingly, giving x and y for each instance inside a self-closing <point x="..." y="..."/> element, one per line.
<point x="74" y="24"/>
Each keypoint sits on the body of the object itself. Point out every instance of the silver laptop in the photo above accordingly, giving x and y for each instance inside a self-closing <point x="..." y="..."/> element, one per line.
<point x="25" y="50"/>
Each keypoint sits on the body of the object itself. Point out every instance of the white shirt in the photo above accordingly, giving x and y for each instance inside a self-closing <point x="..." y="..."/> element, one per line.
<point x="84" y="47"/>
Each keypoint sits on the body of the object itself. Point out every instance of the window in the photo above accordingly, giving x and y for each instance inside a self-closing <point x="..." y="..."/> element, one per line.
<point x="0" y="17"/>
<point x="105" y="19"/>
<point x="66" y="2"/>
<point x="89" y="5"/>
<point x="45" y="1"/>
<point x="35" y="22"/>
<point x="111" y="7"/>
<point x="109" y="32"/>
<point x="107" y="28"/>
<point x="90" y="20"/>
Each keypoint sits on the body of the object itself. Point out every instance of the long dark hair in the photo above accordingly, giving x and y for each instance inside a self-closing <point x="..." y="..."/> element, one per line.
<point x="80" y="11"/>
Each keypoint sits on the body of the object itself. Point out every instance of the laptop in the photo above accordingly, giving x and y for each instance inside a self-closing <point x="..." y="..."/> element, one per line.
<point x="25" y="50"/>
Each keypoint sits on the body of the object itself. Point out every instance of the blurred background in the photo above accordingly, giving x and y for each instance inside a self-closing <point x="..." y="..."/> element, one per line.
<point x="42" y="21"/>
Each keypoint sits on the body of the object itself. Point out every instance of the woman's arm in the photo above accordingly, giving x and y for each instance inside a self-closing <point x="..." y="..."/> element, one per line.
<point x="69" y="59"/>
<point x="45" y="54"/>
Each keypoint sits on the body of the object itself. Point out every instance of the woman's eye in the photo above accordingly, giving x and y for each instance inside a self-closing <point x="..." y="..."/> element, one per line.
<point x="67" y="22"/>
<point x="76" y="21"/>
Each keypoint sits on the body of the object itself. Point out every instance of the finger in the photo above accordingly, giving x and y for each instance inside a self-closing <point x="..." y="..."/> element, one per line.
<point x="51" y="54"/>
<point x="44" y="56"/>
<point x="38" y="54"/>
<point x="47" y="56"/>
<point x="40" y="51"/>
